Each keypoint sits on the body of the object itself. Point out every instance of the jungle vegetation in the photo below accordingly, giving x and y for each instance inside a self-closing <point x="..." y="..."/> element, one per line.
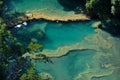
<point x="12" y="65"/>
<point x="30" y="75"/>
<point x="10" y="55"/>
<point x="109" y="13"/>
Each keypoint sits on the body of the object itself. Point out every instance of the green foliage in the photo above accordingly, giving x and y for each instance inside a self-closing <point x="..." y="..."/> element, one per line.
<point x="4" y="34"/>
<point x="2" y="71"/>
<point x="30" y="75"/>
<point x="1" y="6"/>
<point x="8" y="48"/>
<point x="103" y="8"/>
<point x="34" y="46"/>
<point x="5" y="37"/>
<point x="100" y="7"/>
<point x="106" y="10"/>
<point x="3" y="48"/>
<point x="115" y="9"/>
<point x="18" y="49"/>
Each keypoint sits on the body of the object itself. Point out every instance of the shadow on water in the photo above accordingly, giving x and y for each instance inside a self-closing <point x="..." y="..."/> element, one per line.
<point x="112" y="29"/>
<point x="8" y="4"/>
<point x="71" y="4"/>
<point x="26" y="36"/>
<point x="10" y="1"/>
<point x="52" y="34"/>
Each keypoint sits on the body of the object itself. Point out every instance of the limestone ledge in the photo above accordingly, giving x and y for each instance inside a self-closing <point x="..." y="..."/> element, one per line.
<point x="97" y="24"/>
<point x="107" y="50"/>
<point x="68" y="17"/>
<point x="61" y="51"/>
<point x="90" y="74"/>
<point x="37" y="15"/>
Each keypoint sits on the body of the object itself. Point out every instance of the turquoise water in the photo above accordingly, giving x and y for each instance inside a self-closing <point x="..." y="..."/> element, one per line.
<point x="57" y="35"/>
<point x="66" y="34"/>
<point x="53" y="35"/>
<point x="38" y="5"/>
<point x="69" y="66"/>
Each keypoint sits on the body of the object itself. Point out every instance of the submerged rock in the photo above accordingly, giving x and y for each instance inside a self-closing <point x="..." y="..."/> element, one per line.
<point x="46" y="76"/>
<point x="96" y="24"/>
<point x="34" y="40"/>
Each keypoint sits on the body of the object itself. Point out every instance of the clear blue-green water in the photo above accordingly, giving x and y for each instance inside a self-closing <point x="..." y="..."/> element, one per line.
<point x="52" y="34"/>
<point x="69" y="66"/>
<point x="67" y="33"/>
<point x="24" y="5"/>
<point x="48" y="7"/>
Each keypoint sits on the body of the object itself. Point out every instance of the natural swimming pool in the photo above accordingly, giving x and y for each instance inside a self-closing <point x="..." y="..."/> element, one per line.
<point x="69" y="66"/>
<point x="57" y="34"/>
<point x="53" y="35"/>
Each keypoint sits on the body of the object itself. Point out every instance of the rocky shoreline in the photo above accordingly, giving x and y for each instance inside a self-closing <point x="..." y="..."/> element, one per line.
<point x="68" y="17"/>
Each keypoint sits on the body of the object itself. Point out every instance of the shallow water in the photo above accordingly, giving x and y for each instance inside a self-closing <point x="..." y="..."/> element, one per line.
<point x="54" y="34"/>
<point x="87" y="63"/>
<point x="69" y="66"/>
<point x="36" y="5"/>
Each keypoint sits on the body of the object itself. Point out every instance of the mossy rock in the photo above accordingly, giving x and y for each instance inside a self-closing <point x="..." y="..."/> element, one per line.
<point x="35" y="47"/>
